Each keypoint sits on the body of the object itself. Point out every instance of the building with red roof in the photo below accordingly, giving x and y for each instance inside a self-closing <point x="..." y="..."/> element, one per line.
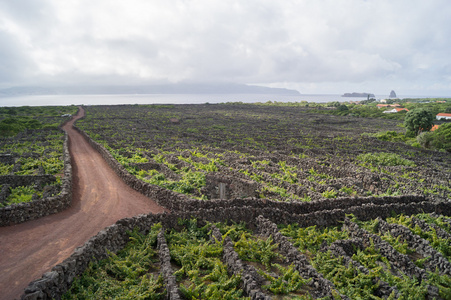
<point x="435" y="127"/>
<point x="443" y="116"/>
<point x="395" y="110"/>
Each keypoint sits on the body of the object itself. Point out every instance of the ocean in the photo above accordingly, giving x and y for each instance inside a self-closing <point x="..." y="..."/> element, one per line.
<point x="45" y="100"/>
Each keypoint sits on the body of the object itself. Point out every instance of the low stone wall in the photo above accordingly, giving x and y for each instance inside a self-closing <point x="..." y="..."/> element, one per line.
<point x="23" y="212"/>
<point x="113" y="238"/>
<point x="220" y="186"/>
<point x="55" y="283"/>
<point x="235" y="266"/>
<point x="248" y="278"/>
<point x="179" y="202"/>
<point x="443" y="234"/>
<point x="320" y="286"/>
<point x="435" y="261"/>
<point x="166" y="269"/>
<point x="345" y="249"/>
<point x="23" y="180"/>
<point x="399" y="260"/>
<point x="7" y="159"/>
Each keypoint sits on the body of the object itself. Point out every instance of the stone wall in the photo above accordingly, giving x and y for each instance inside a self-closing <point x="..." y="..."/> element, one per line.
<point x="346" y="249"/>
<point x="166" y="268"/>
<point x="435" y="259"/>
<point x="227" y="187"/>
<point x="180" y="202"/>
<point x="23" y="212"/>
<point x="7" y="159"/>
<point x="24" y="180"/>
<point x="250" y="279"/>
<point x="113" y="238"/>
<point x="320" y="286"/>
<point x="395" y="258"/>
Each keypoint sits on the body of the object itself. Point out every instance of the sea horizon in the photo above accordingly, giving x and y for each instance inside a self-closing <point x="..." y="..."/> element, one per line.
<point x="123" y="99"/>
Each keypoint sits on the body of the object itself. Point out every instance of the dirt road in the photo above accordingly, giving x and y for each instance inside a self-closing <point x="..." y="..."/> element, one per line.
<point x="100" y="198"/>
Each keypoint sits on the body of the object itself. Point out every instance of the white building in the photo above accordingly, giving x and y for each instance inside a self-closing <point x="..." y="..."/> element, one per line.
<point x="443" y="116"/>
<point x="395" y="110"/>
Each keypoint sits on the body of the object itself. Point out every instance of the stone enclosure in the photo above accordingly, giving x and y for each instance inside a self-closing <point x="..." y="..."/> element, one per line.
<point x="47" y="205"/>
<point x="231" y="198"/>
<point x="258" y="213"/>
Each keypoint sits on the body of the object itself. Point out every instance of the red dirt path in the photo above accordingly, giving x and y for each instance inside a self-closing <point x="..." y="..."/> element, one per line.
<point x="100" y="198"/>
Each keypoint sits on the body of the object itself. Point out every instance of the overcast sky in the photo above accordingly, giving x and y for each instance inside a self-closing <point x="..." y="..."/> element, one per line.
<point x="314" y="46"/>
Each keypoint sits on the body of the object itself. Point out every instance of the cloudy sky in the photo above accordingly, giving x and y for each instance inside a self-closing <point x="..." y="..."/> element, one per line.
<point x="321" y="46"/>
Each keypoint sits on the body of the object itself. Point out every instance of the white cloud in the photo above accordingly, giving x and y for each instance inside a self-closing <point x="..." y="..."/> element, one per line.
<point x="314" y="44"/>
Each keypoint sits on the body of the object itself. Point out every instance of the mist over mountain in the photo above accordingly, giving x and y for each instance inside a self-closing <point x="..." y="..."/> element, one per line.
<point x="178" y="88"/>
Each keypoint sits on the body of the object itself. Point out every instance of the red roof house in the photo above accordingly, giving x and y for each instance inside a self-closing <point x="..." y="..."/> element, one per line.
<point x="435" y="127"/>
<point x="395" y="110"/>
<point x="443" y="116"/>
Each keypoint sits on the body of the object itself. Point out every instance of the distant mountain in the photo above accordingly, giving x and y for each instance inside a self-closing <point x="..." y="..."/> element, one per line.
<point x="179" y="88"/>
<point x="358" y="95"/>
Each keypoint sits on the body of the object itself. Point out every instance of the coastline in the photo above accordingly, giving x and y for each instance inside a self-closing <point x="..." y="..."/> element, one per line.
<point x="120" y="99"/>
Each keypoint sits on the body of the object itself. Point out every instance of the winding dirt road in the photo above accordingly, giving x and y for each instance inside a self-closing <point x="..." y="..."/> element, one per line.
<point x="100" y="198"/>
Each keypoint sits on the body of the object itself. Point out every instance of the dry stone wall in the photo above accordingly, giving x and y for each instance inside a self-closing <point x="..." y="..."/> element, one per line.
<point x="320" y="213"/>
<point x="397" y="259"/>
<point x="321" y="286"/>
<point x="113" y="238"/>
<point x="166" y="269"/>
<point x="22" y="180"/>
<point x="227" y="187"/>
<point x="7" y="159"/>
<point x="345" y="249"/>
<point x="23" y="212"/>
<point x="427" y="227"/>
<point x="249" y="278"/>
<point x="179" y="202"/>
<point x="422" y="246"/>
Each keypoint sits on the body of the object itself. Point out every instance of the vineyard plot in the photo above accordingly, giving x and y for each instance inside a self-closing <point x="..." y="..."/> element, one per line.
<point x="278" y="153"/>
<point x="31" y="153"/>
<point x="132" y="273"/>
<point x="267" y="261"/>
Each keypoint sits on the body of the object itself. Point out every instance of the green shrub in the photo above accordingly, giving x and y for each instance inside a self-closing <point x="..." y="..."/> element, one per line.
<point x="20" y="194"/>
<point x="441" y="138"/>
<point x="125" y="275"/>
<point x="425" y="139"/>
<point x="5" y="169"/>
<point x="385" y="159"/>
<point x="342" y="108"/>
<point x="347" y="190"/>
<point x="11" y="126"/>
<point x="391" y="136"/>
<point x="417" y="121"/>
<point x="329" y="194"/>
<point x="289" y="281"/>
<point x="201" y="273"/>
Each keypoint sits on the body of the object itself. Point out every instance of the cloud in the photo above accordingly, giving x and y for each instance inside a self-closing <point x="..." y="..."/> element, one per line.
<point x="303" y="43"/>
<point x="14" y="64"/>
